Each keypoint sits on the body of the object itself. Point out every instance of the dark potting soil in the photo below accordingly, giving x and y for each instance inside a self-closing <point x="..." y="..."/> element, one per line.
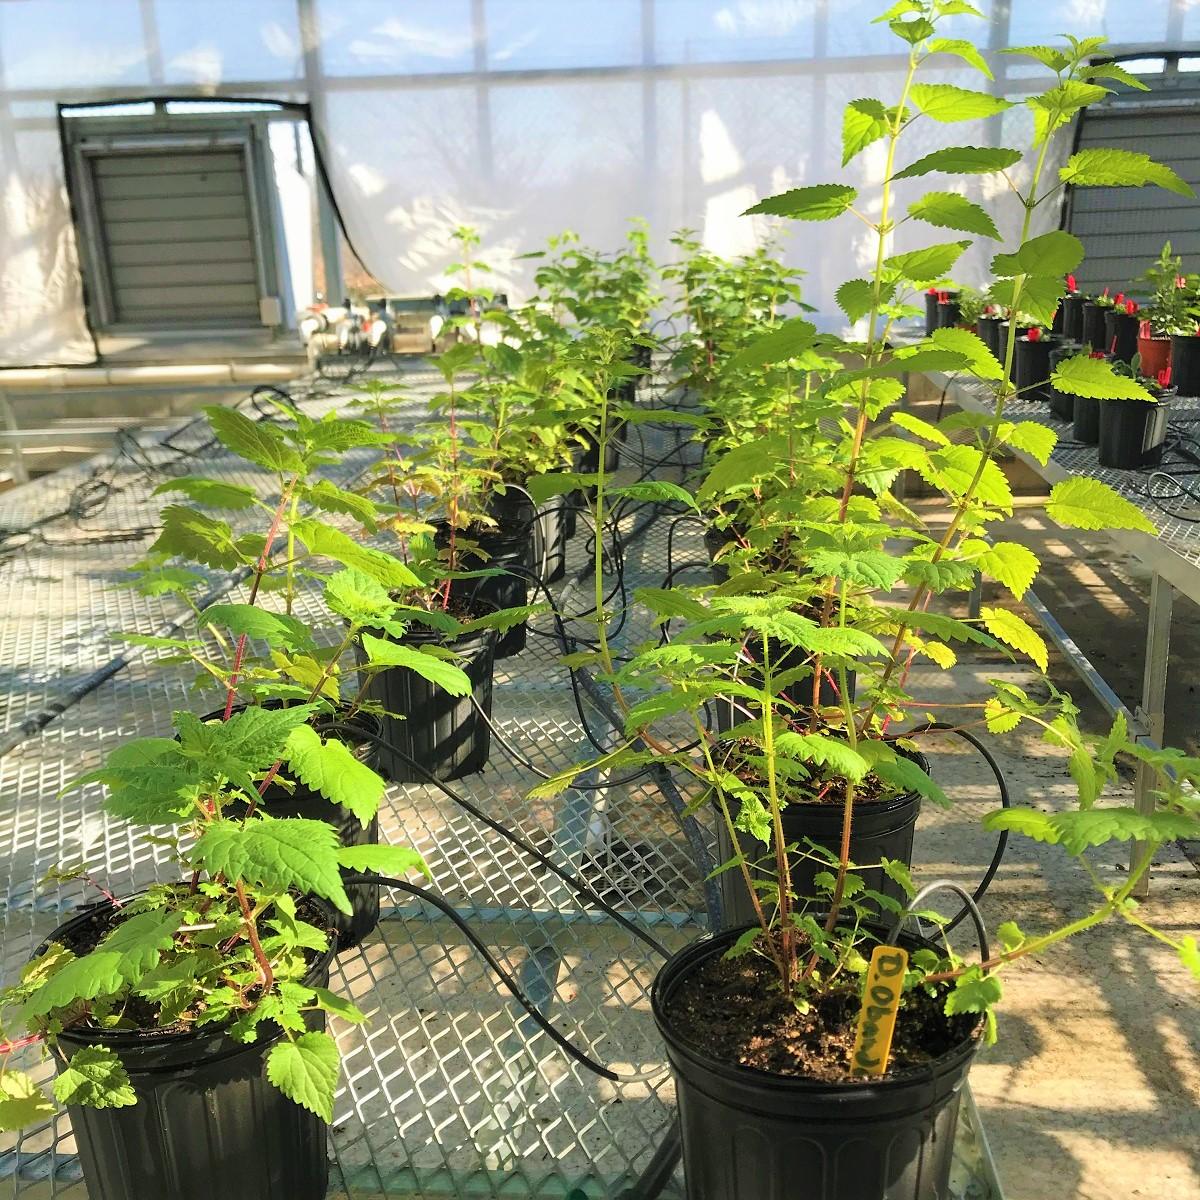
<point x="734" y="1010"/>
<point x="869" y="790"/>
<point x="142" y="1014"/>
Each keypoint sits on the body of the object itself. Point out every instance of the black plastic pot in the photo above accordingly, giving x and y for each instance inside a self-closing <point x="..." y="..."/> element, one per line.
<point x="1062" y="404"/>
<point x="1121" y="334"/>
<point x="206" y="1116"/>
<point x="510" y="550"/>
<point x="1092" y="333"/>
<point x="948" y="314"/>
<point x="513" y="511"/>
<point x="1071" y="312"/>
<point x="750" y="1135"/>
<point x="883" y="830"/>
<point x="1086" y="420"/>
<point x="931" y="312"/>
<point x="1185" y="364"/>
<point x="445" y="734"/>
<point x="550" y="546"/>
<point x="989" y="333"/>
<point x="1132" y="432"/>
<point x="359" y="734"/>
<point x="1031" y="368"/>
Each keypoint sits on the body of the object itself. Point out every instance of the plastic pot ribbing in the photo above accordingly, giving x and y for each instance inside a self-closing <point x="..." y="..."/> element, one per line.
<point x="750" y="1135"/>
<point x="948" y="314"/>
<point x="207" y="1121"/>
<point x="1031" y="368"/>
<point x="1185" y="364"/>
<point x="1092" y="333"/>
<point x="989" y="333"/>
<point x="1071" y="309"/>
<point x="1086" y="420"/>
<point x="444" y="734"/>
<point x="1132" y="432"/>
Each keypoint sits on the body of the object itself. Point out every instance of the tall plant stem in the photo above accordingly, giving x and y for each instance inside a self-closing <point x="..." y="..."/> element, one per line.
<point x="264" y="963"/>
<point x="259" y="571"/>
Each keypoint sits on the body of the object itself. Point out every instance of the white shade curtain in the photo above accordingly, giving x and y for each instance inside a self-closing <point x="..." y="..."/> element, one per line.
<point x="520" y="117"/>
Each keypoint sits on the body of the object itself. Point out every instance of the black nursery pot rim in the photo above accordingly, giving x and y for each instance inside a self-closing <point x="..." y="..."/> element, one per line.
<point x="677" y="968"/>
<point x="212" y="1042"/>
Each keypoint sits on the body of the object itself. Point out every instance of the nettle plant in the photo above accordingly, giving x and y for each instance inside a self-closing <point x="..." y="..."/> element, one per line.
<point x="238" y="944"/>
<point x="818" y="658"/>
<point x="1174" y="305"/>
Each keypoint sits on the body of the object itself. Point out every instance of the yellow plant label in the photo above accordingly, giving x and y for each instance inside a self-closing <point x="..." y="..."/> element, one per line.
<point x="880" y="1003"/>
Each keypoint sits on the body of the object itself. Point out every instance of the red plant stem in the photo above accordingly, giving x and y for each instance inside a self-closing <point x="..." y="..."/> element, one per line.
<point x="20" y="1043"/>
<point x="260" y="570"/>
<point x="264" y="964"/>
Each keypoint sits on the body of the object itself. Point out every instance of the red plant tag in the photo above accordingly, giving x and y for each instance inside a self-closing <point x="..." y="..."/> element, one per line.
<point x="1105" y="293"/>
<point x="1035" y="334"/>
<point x="1131" y="307"/>
<point x="1180" y="281"/>
<point x="1097" y="354"/>
<point x="1164" y="377"/>
<point x="1071" y="283"/>
<point x="1120" y="298"/>
<point x="933" y="292"/>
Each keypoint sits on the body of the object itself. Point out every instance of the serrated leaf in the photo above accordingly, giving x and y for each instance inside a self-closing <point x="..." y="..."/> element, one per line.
<point x="328" y="497"/>
<point x="1118" y="73"/>
<point x="820" y="202"/>
<point x="742" y="465"/>
<point x="1048" y="56"/>
<point x="306" y="1071"/>
<point x="1017" y="633"/>
<point x="1014" y="565"/>
<point x="325" y="541"/>
<point x="277" y="855"/>
<point x="194" y="535"/>
<point x="949" y="629"/>
<point x="276" y="629"/>
<point x="961" y="49"/>
<point x="258" y="442"/>
<point x="671" y="602"/>
<point x="358" y="597"/>
<point x="1055" y="253"/>
<point x="453" y="680"/>
<point x="855" y="298"/>
<point x="329" y="767"/>
<point x="1077" y="831"/>
<point x="1038" y="296"/>
<point x="1054" y="108"/>
<point x="22" y="1102"/>
<point x="927" y="265"/>
<point x="947" y="104"/>
<point x="656" y="489"/>
<point x="211" y="493"/>
<point x="920" y="427"/>
<point x="974" y="992"/>
<point x="863" y="122"/>
<point x="897" y="870"/>
<point x="1094" y="378"/>
<point x="823" y="751"/>
<point x="1082" y="503"/>
<point x="904" y="774"/>
<point x="94" y="1077"/>
<point x="1034" y="439"/>
<point x="872" y="568"/>
<point x="336" y="1005"/>
<point x="949" y="210"/>
<point x="953" y="469"/>
<point x="383" y="860"/>
<point x="962" y="160"/>
<point x="1104" y="166"/>
<point x="252" y="739"/>
<point x="792" y="337"/>
<point x="1010" y="935"/>
<point x="980" y="361"/>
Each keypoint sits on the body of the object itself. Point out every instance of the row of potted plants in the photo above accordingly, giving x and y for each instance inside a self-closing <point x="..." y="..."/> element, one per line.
<point x="780" y="699"/>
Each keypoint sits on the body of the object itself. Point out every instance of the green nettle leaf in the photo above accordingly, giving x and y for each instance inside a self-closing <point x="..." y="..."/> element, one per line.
<point x="258" y="442"/>
<point x="961" y="49"/>
<point x="863" y="122"/>
<point x="1036" y="295"/>
<point x="329" y="497"/>
<point x="974" y="992"/>
<point x="927" y="265"/>
<point x="671" y="602"/>
<point x="382" y="653"/>
<point x="855" y="298"/>
<point x="793" y="336"/>
<point x="384" y="860"/>
<point x="1189" y="955"/>
<point x="277" y="855"/>
<point x="913" y="31"/>
<point x="22" y="1102"/>
<point x="962" y="160"/>
<point x="1083" y="503"/>
<point x="949" y="210"/>
<point x="211" y="493"/>
<point x="1078" y="830"/>
<point x="325" y="541"/>
<point x="823" y="752"/>
<point x="251" y="739"/>
<point x="330" y="768"/>
<point x="1010" y="935"/>
<point x="1017" y="633"/>
<point x="1119" y="73"/>
<point x="656" y="489"/>
<point x="306" y="1071"/>
<point x="742" y="465"/>
<point x="94" y="1077"/>
<point x="1012" y="564"/>
<point x="1095" y="379"/>
<point x="1035" y="440"/>
<point x="1048" y="56"/>
<point x="873" y="568"/>
<point x="126" y="954"/>
<point x="1054" y="253"/>
<point x="821" y="202"/>
<point x="358" y="597"/>
<point x="1053" y="109"/>
<point x="981" y="362"/>
<point x="946" y="103"/>
<point x="903" y="773"/>
<point x="953" y="469"/>
<point x="1107" y="167"/>
<point x="276" y="629"/>
<point x="194" y="535"/>
<point x="919" y="426"/>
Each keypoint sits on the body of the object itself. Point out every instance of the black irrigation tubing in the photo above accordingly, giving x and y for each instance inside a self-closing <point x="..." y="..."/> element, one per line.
<point x="584" y="891"/>
<point x="431" y="898"/>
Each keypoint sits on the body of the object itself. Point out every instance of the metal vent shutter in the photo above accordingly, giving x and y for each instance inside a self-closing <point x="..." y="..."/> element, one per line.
<point x="177" y="237"/>
<point x="1123" y="229"/>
